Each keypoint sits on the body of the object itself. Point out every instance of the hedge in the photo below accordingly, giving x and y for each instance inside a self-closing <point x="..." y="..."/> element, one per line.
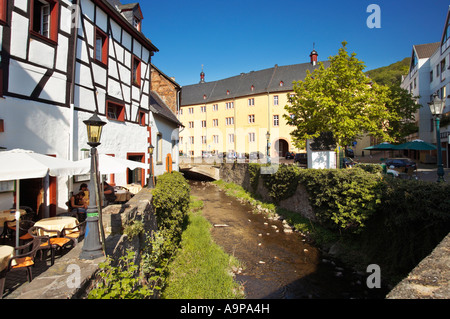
<point x="171" y="198"/>
<point x="396" y="222"/>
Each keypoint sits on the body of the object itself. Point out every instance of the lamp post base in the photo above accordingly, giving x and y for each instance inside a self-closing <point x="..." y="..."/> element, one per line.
<point x="92" y="249"/>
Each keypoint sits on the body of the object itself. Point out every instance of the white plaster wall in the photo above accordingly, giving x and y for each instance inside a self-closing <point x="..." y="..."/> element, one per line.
<point x="19" y="35"/>
<point x="166" y="129"/>
<point x="55" y="88"/>
<point x="21" y="4"/>
<point x="101" y="19"/>
<point x="23" y="77"/>
<point x="38" y="127"/>
<point x="116" y="139"/>
<point x="38" y="50"/>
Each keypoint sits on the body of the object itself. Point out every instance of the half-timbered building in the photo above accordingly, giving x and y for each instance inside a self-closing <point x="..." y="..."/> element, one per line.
<point x="63" y="60"/>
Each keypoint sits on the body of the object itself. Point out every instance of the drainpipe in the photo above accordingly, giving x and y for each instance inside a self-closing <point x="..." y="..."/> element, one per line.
<point x="76" y="12"/>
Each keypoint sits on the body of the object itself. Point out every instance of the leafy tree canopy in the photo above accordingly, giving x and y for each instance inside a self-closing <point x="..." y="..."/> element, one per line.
<point x="339" y="99"/>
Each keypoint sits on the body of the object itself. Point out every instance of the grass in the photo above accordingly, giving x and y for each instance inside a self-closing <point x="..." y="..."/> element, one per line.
<point x="201" y="269"/>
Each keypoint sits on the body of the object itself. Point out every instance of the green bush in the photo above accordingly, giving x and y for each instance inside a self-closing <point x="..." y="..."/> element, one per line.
<point x="412" y="218"/>
<point x="283" y="183"/>
<point x="370" y="168"/>
<point x="342" y="199"/>
<point x="171" y="198"/>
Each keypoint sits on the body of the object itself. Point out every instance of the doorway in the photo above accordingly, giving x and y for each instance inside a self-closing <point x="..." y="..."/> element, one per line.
<point x="281" y="147"/>
<point x="136" y="176"/>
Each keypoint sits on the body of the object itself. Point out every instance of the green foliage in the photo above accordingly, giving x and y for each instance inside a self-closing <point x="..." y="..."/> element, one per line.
<point x="283" y="183"/>
<point x="402" y="107"/>
<point x="134" y="229"/>
<point x="121" y="282"/>
<point x="392" y="74"/>
<point x="171" y="198"/>
<point x="412" y="218"/>
<point x="342" y="199"/>
<point x="254" y="172"/>
<point x="339" y="100"/>
<point x="370" y="168"/>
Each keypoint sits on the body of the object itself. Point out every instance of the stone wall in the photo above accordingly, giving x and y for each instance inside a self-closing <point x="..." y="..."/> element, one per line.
<point x="238" y="173"/>
<point x="57" y="281"/>
<point x="166" y="90"/>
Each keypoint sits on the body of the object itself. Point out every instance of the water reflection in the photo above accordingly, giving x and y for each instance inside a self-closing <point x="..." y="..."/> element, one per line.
<point x="276" y="265"/>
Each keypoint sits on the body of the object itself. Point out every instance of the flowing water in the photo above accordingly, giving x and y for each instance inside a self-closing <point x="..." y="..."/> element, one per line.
<point x="276" y="265"/>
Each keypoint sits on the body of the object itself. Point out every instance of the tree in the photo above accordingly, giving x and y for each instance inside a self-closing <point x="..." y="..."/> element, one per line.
<point x="402" y="108"/>
<point x="339" y="99"/>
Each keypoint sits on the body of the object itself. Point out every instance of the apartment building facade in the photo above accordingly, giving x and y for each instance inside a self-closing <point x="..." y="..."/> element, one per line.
<point x="241" y="114"/>
<point x="429" y="74"/>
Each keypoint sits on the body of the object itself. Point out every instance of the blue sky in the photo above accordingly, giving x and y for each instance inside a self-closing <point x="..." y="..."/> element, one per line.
<point x="234" y="36"/>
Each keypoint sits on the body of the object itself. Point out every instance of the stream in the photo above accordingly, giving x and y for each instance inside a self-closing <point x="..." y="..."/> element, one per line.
<point x="275" y="264"/>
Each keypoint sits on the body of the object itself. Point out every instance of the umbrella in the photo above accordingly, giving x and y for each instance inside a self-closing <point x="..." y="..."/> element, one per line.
<point x="417" y="145"/>
<point x="385" y="146"/>
<point x="110" y="165"/>
<point x="20" y="164"/>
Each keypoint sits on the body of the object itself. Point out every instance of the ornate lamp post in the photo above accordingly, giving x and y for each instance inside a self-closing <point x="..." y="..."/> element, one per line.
<point x="92" y="248"/>
<point x="268" y="146"/>
<point x="150" y="174"/>
<point x="437" y="107"/>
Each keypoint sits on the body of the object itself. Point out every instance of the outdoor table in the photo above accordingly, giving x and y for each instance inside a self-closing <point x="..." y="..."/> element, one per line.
<point x="9" y="215"/>
<point x="56" y="223"/>
<point x="122" y="195"/>
<point x="134" y="188"/>
<point x="6" y="253"/>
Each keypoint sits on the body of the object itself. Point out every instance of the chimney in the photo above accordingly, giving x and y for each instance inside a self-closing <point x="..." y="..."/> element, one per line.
<point x="313" y="56"/>
<point x="202" y="76"/>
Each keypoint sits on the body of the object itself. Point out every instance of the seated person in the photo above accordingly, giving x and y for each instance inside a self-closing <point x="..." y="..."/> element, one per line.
<point x="109" y="194"/>
<point x="84" y="188"/>
<point x="77" y="204"/>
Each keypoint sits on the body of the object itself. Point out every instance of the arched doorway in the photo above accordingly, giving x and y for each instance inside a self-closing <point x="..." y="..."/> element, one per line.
<point x="281" y="147"/>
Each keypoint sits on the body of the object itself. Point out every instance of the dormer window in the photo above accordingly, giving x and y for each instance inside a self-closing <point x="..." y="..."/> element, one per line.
<point x="137" y="23"/>
<point x="281" y="83"/>
<point x="252" y="88"/>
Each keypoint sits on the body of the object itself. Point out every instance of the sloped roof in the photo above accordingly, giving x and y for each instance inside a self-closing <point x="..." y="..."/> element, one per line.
<point x="158" y="107"/>
<point x="246" y="84"/>
<point x="426" y="50"/>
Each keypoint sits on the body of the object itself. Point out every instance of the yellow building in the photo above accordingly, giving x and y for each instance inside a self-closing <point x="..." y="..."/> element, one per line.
<point x="241" y="114"/>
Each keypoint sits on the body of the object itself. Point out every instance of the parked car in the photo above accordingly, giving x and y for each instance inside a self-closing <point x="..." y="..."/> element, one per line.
<point x="290" y="155"/>
<point x="403" y="165"/>
<point x="301" y="159"/>
<point x="256" y="155"/>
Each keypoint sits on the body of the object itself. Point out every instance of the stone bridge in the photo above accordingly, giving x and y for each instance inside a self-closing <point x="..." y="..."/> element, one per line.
<point x="202" y="171"/>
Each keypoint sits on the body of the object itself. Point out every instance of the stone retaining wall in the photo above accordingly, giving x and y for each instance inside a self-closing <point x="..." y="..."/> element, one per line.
<point x="238" y="173"/>
<point x="58" y="282"/>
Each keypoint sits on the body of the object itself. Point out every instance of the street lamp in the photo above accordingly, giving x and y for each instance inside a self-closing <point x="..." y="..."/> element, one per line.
<point x="437" y="106"/>
<point x="268" y="146"/>
<point x="92" y="248"/>
<point x="150" y="174"/>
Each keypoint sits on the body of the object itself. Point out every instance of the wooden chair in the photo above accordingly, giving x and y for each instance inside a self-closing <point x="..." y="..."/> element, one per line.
<point x="46" y="242"/>
<point x="9" y="230"/>
<point x="75" y="233"/>
<point x="20" y="262"/>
